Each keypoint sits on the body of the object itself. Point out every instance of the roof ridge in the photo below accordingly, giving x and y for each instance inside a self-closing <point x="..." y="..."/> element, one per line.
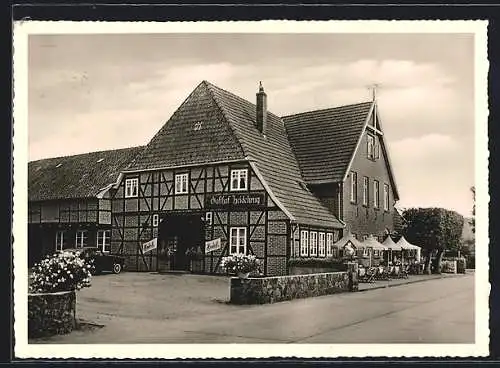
<point x="327" y="109"/>
<point x="87" y="153"/>
<point x="209" y="87"/>
<point x="239" y="97"/>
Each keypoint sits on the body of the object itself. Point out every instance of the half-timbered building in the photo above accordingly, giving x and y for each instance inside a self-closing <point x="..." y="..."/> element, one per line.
<point x="224" y="176"/>
<point x="68" y="201"/>
<point x="220" y="168"/>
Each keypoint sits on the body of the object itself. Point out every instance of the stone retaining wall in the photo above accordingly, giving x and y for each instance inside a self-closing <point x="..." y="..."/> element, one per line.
<point x="276" y="289"/>
<point x="306" y="270"/>
<point x="51" y="313"/>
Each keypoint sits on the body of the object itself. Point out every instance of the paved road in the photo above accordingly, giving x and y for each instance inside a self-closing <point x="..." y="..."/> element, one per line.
<point x="434" y="311"/>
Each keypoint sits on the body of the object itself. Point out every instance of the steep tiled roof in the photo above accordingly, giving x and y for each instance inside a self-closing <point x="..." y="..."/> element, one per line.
<point x="228" y="132"/>
<point x="179" y="142"/>
<point x="78" y="176"/>
<point x="274" y="159"/>
<point x="325" y="140"/>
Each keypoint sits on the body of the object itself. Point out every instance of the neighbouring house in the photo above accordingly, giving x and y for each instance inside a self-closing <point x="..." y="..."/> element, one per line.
<point x="68" y="201"/>
<point x="225" y="176"/>
<point x="343" y="158"/>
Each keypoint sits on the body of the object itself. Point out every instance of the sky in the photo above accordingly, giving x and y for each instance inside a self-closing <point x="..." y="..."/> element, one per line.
<point x="98" y="92"/>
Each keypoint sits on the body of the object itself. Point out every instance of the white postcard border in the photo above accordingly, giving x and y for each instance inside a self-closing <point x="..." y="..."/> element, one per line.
<point x="23" y="29"/>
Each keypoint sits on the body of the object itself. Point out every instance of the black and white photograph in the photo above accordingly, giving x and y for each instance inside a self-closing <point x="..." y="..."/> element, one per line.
<point x="250" y="189"/>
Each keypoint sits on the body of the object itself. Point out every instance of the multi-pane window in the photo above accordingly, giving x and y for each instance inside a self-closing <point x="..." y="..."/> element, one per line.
<point x="59" y="240"/>
<point x="366" y="182"/>
<point x="81" y="239"/>
<point x="322" y="250"/>
<point x="304" y="243"/>
<point x="376" y="194"/>
<point x="131" y="187"/>
<point x="329" y="244"/>
<point x="239" y="179"/>
<point x="375" y="252"/>
<point x="156" y="220"/>
<point x="313" y="243"/>
<point x="366" y="252"/>
<point x="181" y="183"/>
<point x="386" y="197"/>
<point x="238" y="242"/>
<point x="104" y="240"/>
<point x="208" y="218"/>
<point x="370" y="147"/>
<point x="354" y="187"/>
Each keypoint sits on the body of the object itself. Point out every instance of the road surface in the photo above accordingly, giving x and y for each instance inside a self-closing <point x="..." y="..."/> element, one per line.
<point x="434" y="311"/>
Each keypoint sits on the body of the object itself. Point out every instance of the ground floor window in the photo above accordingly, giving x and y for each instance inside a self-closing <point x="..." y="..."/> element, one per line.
<point x="313" y="243"/>
<point x="238" y="241"/>
<point x="104" y="240"/>
<point x="81" y="239"/>
<point x="59" y="240"/>
<point x="329" y="244"/>
<point x="304" y="243"/>
<point x="322" y="244"/>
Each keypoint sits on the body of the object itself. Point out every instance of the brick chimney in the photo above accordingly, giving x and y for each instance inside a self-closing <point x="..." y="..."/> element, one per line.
<point x="261" y="113"/>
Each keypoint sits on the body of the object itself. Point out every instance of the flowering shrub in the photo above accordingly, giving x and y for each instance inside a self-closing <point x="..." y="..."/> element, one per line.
<point x="64" y="271"/>
<point x="240" y="263"/>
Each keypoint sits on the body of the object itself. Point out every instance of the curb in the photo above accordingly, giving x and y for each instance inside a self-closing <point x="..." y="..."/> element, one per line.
<point x="410" y="282"/>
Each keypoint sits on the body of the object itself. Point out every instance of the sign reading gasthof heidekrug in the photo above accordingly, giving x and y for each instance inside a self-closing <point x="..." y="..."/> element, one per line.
<point x="245" y="200"/>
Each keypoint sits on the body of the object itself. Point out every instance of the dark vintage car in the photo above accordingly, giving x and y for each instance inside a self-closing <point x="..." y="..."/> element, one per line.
<point x="102" y="261"/>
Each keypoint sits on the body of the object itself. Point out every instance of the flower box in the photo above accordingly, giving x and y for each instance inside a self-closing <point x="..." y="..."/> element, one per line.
<point x="240" y="264"/>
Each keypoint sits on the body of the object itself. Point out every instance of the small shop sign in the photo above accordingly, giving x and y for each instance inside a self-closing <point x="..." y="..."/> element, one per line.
<point x="212" y="245"/>
<point x="150" y="245"/>
<point x="246" y="200"/>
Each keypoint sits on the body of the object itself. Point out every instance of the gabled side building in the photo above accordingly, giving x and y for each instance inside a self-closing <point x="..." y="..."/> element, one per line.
<point x="225" y="175"/>
<point x="343" y="158"/>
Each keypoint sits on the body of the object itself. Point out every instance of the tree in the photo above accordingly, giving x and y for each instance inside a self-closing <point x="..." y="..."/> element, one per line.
<point x="435" y="230"/>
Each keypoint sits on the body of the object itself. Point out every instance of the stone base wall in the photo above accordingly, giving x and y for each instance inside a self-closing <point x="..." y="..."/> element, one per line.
<point x="307" y="270"/>
<point x="51" y="313"/>
<point x="276" y="289"/>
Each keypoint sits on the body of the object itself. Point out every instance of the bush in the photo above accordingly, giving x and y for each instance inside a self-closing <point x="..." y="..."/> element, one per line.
<point x="64" y="271"/>
<point x="240" y="263"/>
